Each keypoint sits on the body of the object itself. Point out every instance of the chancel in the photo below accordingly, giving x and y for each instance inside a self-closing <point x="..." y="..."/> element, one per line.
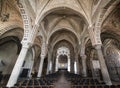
<point x="59" y="43"/>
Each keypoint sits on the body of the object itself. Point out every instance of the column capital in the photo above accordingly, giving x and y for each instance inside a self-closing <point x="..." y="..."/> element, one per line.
<point x="75" y="60"/>
<point x="83" y="56"/>
<point x="26" y="44"/>
<point x="42" y="56"/>
<point x="98" y="46"/>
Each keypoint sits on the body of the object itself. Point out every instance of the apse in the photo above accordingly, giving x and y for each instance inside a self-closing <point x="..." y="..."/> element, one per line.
<point x="63" y="58"/>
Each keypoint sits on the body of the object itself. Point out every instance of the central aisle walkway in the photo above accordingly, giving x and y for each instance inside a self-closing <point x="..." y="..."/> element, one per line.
<point x="62" y="82"/>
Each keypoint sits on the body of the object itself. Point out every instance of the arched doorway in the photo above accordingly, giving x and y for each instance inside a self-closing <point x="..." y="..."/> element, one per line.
<point x="63" y="58"/>
<point x="63" y="61"/>
<point x="9" y="49"/>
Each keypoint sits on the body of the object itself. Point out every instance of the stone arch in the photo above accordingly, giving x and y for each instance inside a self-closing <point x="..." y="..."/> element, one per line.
<point x="44" y="13"/>
<point x="10" y="47"/>
<point x="111" y="51"/>
<point x="26" y="20"/>
<point x="70" y="47"/>
<point x="9" y="27"/>
<point x="61" y="40"/>
<point x="109" y="9"/>
<point x="63" y="58"/>
<point x="12" y="33"/>
<point x="103" y="15"/>
<point x="18" y="32"/>
<point x="13" y="39"/>
<point x="61" y="29"/>
<point x="110" y="35"/>
<point x="112" y="54"/>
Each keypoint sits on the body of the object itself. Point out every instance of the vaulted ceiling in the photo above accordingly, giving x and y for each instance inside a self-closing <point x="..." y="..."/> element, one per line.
<point x="65" y="22"/>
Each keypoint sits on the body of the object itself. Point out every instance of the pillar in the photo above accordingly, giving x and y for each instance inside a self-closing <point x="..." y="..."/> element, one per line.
<point x="43" y="54"/>
<point x="17" y="68"/>
<point x="77" y="64"/>
<point x="103" y="66"/>
<point x="49" y="66"/>
<point x="41" y="66"/>
<point x="32" y="63"/>
<point x="31" y="67"/>
<point x="75" y="67"/>
<point x="69" y="63"/>
<point x="84" y="67"/>
<point x="56" y="66"/>
<point x="91" y="66"/>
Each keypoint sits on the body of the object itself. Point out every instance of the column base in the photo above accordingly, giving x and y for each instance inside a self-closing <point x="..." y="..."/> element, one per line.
<point x="84" y="75"/>
<point x="108" y="83"/>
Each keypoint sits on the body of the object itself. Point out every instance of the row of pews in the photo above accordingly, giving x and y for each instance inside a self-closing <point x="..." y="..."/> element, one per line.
<point x="48" y="81"/>
<point x="78" y="82"/>
<point x="43" y="82"/>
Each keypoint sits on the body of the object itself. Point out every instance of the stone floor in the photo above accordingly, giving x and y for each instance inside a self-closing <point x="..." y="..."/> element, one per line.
<point x="62" y="82"/>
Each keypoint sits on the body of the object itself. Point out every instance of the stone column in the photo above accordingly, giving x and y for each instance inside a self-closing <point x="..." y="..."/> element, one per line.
<point x="43" y="54"/>
<point x="41" y="66"/>
<point x="77" y="64"/>
<point x="17" y="68"/>
<point x="69" y="63"/>
<point x="32" y="62"/>
<point x="84" y="67"/>
<point x="56" y="65"/>
<point x="75" y="67"/>
<point x="103" y="66"/>
<point x="49" y="66"/>
<point x="91" y="66"/>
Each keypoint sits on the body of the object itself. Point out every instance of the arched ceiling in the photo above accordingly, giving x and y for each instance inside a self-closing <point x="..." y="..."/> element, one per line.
<point x="63" y="20"/>
<point x="112" y="22"/>
<point x="87" y="8"/>
<point x="64" y="43"/>
<point x="71" y="15"/>
<point x="63" y="24"/>
<point x="69" y="18"/>
<point x="111" y="26"/>
<point x="14" y="39"/>
<point x="63" y="34"/>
